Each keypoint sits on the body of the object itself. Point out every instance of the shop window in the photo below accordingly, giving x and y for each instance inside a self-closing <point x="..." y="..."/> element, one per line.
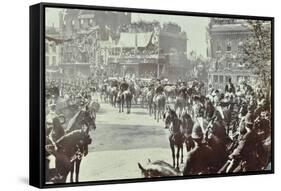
<point x="221" y="79"/>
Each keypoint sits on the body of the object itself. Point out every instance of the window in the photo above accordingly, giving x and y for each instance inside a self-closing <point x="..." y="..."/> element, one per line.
<point x="228" y="65"/>
<point x="54" y="60"/>
<point x="215" y="78"/>
<point x="47" y="60"/>
<point x="227" y="78"/>
<point x="228" y="46"/>
<point x="54" y="48"/>
<point x="221" y="79"/>
<point x="73" y="22"/>
<point x="90" y="22"/>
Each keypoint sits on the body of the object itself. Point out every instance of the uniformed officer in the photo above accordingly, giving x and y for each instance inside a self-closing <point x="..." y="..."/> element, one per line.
<point x="199" y="159"/>
<point x="245" y="151"/>
<point x="183" y="90"/>
<point x="159" y="88"/>
<point x="124" y="85"/>
<point x="230" y="87"/>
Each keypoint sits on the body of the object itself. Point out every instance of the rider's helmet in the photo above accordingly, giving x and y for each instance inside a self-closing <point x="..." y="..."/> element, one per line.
<point x="197" y="131"/>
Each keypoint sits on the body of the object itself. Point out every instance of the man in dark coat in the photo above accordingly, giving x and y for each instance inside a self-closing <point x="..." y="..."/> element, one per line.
<point x="54" y="90"/>
<point x="230" y="87"/>
<point x="159" y="88"/>
<point x="199" y="159"/>
<point x="124" y="85"/>
<point x="245" y="151"/>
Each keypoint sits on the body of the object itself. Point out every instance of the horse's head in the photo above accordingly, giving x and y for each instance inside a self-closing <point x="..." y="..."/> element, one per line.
<point x="157" y="169"/>
<point x="88" y="117"/>
<point x="170" y="116"/>
<point x="149" y="173"/>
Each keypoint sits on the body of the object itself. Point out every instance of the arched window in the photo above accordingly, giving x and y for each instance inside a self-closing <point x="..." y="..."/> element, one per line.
<point x="228" y="46"/>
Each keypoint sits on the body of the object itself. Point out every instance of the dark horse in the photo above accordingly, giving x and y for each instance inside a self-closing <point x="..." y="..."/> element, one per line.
<point x="67" y="152"/>
<point x="72" y="146"/>
<point x="124" y="97"/>
<point x="180" y="104"/>
<point x="187" y="125"/>
<point x="176" y="137"/>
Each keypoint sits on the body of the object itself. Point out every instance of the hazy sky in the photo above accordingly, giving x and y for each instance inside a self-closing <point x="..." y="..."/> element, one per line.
<point x="195" y="27"/>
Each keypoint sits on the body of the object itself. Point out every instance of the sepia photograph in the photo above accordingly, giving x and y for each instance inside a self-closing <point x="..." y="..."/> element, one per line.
<point x="132" y="95"/>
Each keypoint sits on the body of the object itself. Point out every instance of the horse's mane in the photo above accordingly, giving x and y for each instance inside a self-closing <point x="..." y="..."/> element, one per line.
<point x="173" y="113"/>
<point x="69" y="136"/>
<point x="72" y="121"/>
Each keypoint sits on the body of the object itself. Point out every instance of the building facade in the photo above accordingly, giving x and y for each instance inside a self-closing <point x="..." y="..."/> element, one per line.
<point x="226" y="37"/>
<point x="52" y="47"/>
<point x="148" y="50"/>
<point x="82" y="31"/>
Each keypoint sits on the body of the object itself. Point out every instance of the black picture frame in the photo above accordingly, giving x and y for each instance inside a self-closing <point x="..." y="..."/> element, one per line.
<point x="37" y="92"/>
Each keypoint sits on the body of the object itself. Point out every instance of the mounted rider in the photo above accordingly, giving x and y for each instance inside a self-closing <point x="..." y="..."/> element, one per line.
<point x="198" y="107"/>
<point x="123" y="85"/>
<point x="183" y="90"/>
<point x="159" y="90"/>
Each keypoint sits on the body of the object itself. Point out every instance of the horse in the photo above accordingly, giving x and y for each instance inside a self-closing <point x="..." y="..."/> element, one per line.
<point x="209" y="109"/>
<point x="85" y="118"/>
<point x="104" y="92"/>
<point x="143" y="96"/>
<point x="149" y="98"/>
<point x="180" y="104"/>
<point x="124" y="97"/>
<point x="170" y="91"/>
<point x="187" y="125"/>
<point x="158" y="168"/>
<point x="67" y="152"/>
<point x="113" y="93"/>
<point x="159" y="102"/>
<point x="176" y="137"/>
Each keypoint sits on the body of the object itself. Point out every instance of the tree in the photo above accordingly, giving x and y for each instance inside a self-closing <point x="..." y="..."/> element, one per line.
<point x="257" y="49"/>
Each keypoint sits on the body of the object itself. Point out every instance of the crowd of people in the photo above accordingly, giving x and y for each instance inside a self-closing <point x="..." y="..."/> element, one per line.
<point x="243" y="111"/>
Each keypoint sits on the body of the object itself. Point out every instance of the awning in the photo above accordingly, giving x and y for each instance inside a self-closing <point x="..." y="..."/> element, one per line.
<point x="127" y="40"/>
<point x="131" y="40"/>
<point x="143" y="39"/>
<point x="56" y="40"/>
